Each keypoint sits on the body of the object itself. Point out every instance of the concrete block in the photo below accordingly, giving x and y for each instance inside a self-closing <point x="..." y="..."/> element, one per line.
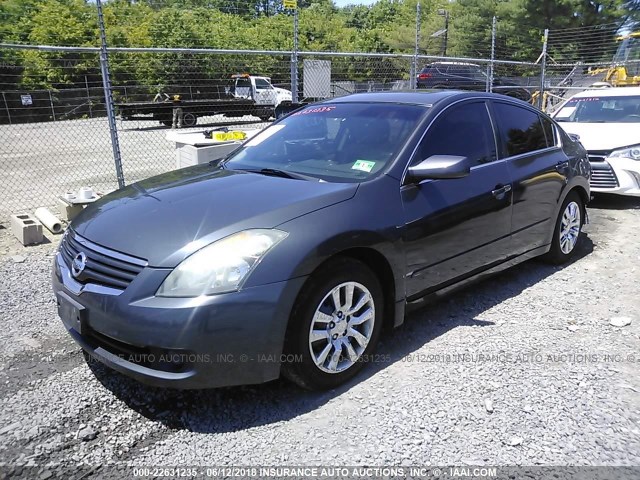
<point x="68" y="211"/>
<point x="26" y="229"/>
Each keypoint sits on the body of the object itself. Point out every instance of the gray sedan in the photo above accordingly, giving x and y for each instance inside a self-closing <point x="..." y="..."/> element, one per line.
<point x="291" y="255"/>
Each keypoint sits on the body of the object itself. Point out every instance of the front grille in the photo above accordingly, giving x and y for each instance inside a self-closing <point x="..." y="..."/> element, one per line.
<point x="103" y="267"/>
<point x="598" y="155"/>
<point x="602" y="175"/>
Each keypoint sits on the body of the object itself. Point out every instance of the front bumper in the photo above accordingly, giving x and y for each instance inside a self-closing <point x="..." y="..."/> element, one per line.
<point x="221" y="340"/>
<point x="620" y="176"/>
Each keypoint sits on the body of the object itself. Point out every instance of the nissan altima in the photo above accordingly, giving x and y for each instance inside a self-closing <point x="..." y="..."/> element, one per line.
<point x="295" y="253"/>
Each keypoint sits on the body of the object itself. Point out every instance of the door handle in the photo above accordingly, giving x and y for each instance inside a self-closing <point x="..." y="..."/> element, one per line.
<point x="561" y="166"/>
<point x="500" y="191"/>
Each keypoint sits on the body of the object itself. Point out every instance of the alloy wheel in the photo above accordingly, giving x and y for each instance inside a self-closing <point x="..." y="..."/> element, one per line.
<point x="570" y="227"/>
<point x="342" y="326"/>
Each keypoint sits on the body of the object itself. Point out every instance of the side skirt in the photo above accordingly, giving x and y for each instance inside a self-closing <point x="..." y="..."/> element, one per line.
<point x="439" y="291"/>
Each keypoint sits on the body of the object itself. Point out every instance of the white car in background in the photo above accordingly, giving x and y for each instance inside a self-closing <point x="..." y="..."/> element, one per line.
<point x="608" y="124"/>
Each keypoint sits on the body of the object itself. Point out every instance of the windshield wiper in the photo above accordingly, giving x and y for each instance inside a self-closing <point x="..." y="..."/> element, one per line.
<point x="274" y="172"/>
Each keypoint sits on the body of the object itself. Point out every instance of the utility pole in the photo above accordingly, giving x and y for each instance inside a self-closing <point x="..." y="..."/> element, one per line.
<point x="494" y="25"/>
<point x="294" y="61"/>
<point x="414" y="77"/>
<point x="445" y="13"/>
<point x="293" y="5"/>
<point x="543" y="68"/>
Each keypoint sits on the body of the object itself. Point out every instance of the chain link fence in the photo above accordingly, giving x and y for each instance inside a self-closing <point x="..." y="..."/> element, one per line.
<point x="146" y="82"/>
<point x="600" y="56"/>
<point x="55" y="131"/>
<point x="328" y="75"/>
<point x="53" y="140"/>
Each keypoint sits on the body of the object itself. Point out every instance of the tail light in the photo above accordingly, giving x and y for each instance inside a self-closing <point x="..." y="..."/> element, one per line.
<point x="424" y="76"/>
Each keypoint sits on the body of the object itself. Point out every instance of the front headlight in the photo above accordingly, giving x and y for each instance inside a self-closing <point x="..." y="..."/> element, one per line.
<point x="628" y="152"/>
<point x="222" y="266"/>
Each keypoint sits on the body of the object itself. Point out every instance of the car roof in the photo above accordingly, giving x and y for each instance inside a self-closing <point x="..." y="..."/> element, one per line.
<point x="455" y="63"/>
<point x="609" y="92"/>
<point x="426" y="98"/>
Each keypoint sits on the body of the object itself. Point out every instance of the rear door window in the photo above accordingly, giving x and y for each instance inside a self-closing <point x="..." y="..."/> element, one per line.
<point x="443" y="69"/>
<point x="549" y="132"/>
<point x="459" y="70"/>
<point x="520" y="130"/>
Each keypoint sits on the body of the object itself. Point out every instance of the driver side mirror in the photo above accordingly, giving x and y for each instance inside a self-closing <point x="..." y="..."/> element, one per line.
<point x="440" y="167"/>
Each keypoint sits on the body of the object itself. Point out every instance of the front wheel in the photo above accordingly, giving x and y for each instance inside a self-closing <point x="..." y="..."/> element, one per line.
<point x="334" y="325"/>
<point x="566" y="235"/>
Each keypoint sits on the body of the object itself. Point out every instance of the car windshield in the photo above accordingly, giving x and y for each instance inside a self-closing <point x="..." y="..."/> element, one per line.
<point x="603" y="109"/>
<point x="342" y="142"/>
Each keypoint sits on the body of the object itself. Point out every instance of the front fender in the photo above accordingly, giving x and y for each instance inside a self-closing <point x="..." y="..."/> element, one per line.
<point x="369" y="220"/>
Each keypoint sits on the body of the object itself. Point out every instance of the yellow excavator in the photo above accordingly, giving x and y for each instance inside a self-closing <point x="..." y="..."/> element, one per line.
<point x="624" y="71"/>
<point x="625" y="68"/>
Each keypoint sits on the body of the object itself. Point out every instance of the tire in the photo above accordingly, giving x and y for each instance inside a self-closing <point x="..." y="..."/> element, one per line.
<point x="561" y="251"/>
<point x="189" y="120"/>
<point x="315" y="366"/>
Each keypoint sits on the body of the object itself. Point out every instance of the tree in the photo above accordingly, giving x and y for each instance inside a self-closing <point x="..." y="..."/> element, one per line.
<point x="388" y="26"/>
<point x="59" y="22"/>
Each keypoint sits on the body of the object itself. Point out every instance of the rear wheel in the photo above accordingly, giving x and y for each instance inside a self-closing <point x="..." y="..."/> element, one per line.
<point x="189" y="120"/>
<point x="334" y="325"/>
<point x="566" y="235"/>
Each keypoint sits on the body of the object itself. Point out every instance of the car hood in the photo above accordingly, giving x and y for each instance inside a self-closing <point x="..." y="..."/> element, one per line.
<point x="166" y="218"/>
<point x="283" y="91"/>
<point x="604" y="136"/>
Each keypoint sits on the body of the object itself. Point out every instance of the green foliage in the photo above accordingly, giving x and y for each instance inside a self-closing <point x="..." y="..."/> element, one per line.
<point x="59" y="22"/>
<point x="387" y="26"/>
<point x="521" y="24"/>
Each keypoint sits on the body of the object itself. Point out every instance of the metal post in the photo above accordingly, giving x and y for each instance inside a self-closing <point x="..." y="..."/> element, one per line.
<point x="86" y="84"/>
<point x="108" y="98"/>
<point x="53" y="111"/>
<point x="543" y="67"/>
<point x="446" y="32"/>
<point x="443" y="13"/>
<point x="414" y="67"/>
<point x="294" y="58"/>
<point x="6" y="107"/>
<point x="493" y="55"/>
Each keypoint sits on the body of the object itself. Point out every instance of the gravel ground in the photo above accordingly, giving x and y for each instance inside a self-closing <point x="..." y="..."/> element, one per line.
<point x="522" y="369"/>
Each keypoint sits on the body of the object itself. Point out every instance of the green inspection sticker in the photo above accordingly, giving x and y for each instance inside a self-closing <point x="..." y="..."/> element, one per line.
<point x="363" y="165"/>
